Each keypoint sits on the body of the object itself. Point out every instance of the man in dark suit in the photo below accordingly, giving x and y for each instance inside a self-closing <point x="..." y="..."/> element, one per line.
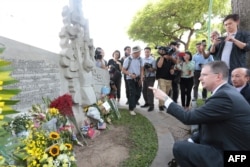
<point x="240" y="80"/>
<point x="224" y="120"/>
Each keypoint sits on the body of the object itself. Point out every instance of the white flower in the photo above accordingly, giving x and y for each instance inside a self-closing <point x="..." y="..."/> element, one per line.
<point x="61" y="157"/>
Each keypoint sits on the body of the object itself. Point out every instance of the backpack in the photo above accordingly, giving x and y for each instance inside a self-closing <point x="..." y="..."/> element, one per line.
<point x="130" y="59"/>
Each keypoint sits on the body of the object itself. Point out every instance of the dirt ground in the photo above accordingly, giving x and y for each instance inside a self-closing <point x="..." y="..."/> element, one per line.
<point x="108" y="149"/>
<point x="112" y="147"/>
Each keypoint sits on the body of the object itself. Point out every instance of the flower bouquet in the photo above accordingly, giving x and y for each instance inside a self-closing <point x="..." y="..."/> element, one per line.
<point x="50" y="139"/>
<point x="43" y="148"/>
<point x="19" y="125"/>
<point x="64" y="105"/>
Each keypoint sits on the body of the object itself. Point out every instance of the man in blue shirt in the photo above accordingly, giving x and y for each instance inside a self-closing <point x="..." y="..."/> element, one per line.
<point x="200" y="58"/>
<point x="149" y="65"/>
<point x="133" y="69"/>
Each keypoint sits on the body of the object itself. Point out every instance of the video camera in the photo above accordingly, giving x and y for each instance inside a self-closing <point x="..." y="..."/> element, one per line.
<point x="165" y="50"/>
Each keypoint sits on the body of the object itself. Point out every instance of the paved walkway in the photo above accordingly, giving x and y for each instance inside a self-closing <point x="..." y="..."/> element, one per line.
<point x="168" y="130"/>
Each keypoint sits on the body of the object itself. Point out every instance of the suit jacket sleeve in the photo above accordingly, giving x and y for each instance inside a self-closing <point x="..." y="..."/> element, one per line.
<point x="216" y="109"/>
<point x="246" y="93"/>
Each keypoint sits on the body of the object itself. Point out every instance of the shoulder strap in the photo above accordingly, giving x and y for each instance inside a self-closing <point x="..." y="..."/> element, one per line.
<point x="130" y="59"/>
<point x="129" y="62"/>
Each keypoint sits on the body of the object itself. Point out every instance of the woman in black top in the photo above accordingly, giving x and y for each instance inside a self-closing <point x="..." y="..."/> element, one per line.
<point x="116" y="72"/>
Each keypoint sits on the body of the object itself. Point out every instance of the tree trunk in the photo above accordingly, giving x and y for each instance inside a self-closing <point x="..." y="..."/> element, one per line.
<point x="242" y="7"/>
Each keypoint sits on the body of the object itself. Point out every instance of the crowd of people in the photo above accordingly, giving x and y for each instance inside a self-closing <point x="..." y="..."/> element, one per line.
<point x="223" y="120"/>
<point x="174" y="70"/>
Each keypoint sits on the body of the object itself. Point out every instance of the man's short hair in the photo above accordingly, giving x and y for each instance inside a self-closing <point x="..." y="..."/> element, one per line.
<point x="147" y="47"/>
<point x="175" y="43"/>
<point x="219" y="67"/>
<point x="126" y="47"/>
<point x="215" y="32"/>
<point x="234" y="17"/>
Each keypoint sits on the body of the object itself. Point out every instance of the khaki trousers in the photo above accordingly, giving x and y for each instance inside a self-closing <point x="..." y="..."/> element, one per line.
<point x="165" y="86"/>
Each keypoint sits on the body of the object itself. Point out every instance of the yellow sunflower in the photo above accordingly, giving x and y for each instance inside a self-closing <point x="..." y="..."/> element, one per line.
<point x="54" y="135"/>
<point x="68" y="145"/>
<point x="54" y="150"/>
<point x="53" y="111"/>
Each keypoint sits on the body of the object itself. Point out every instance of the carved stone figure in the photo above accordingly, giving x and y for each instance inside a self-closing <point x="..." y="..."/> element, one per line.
<point x="77" y="54"/>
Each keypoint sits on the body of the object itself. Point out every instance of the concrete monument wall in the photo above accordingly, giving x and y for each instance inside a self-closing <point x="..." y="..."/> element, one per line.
<point x="46" y="74"/>
<point x="37" y="70"/>
<point x="41" y="74"/>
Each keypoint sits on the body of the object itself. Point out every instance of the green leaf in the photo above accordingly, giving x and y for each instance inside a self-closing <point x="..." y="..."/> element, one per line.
<point x="12" y="81"/>
<point x="4" y="63"/>
<point x="11" y="111"/>
<point x="10" y="91"/>
<point x="6" y="68"/>
<point x="10" y="102"/>
<point x="6" y="79"/>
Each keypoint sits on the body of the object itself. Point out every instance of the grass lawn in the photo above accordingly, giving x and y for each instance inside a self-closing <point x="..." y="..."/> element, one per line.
<point x="143" y="138"/>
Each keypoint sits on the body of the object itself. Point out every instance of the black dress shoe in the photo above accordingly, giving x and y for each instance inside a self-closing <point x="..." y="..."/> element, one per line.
<point x="138" y="103"/>
<point x="127" y="102"/>
<point x="161" y="108"/>
<point x="150" y="109"/>
<point x="145" y="105"/>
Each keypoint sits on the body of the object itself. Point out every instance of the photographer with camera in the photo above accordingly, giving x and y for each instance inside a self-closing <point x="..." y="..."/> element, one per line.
<point x="232" y="48"/>
<point x="115" y="77"/>
<point x="100" y="62"/>
<point x="200" y="59"/>
<point x="186" y="66"/>
<point x="149" y="79"/>
<point x="133" y="69"/>
<point x="115" y="67"/>
<point x="165" y="70"/>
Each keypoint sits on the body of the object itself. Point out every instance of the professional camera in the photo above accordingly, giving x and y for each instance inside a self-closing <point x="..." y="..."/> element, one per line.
<point x="98" y="53"/>
<point x="204" y="42"/>
<point x="112" y="69"/>
<point x="165" y="50"/>
<point x="148" y="65"/>
<point x="221" y="38"/>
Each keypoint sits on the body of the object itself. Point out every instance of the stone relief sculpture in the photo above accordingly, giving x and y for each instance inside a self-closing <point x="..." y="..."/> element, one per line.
<point x="77" y="54"/>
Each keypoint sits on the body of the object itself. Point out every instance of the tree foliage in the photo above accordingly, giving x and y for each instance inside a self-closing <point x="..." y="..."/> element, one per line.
<point x="166" y="20"/>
